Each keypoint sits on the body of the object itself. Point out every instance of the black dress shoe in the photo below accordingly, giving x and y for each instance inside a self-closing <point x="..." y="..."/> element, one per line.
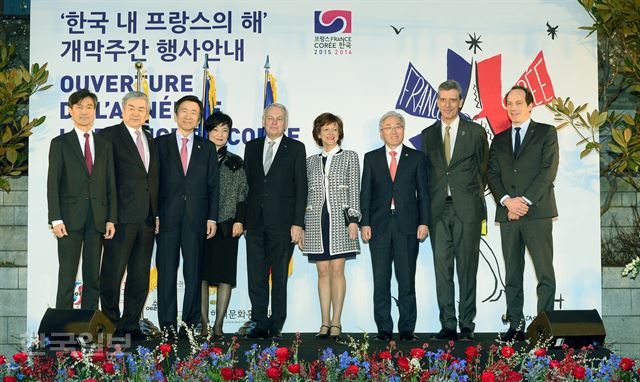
<point x="512" y="335"/>
<point x="335" y="334"/>
<point x="383" y="336"/>
<point x="136" y="335"/>
<point x="445" y="334"/>
<point x="408" y="336"/>
<point x="257" y="334"/>
<point x="466" y="335"/>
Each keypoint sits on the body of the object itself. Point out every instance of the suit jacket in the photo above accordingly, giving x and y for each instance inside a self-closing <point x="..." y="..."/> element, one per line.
<point x="194" y="194"/>
<point x="278" y="199"/>
<point x="530" y="174"/>
<point x="137" y="188"/>
<point x="410" y="191"/>
<point x="70" y="188"/>
<point x="465" y="174"/>
<point x="343" y="183"/>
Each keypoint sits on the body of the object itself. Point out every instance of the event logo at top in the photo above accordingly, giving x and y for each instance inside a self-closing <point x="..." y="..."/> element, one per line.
<point x="332" y="32"/>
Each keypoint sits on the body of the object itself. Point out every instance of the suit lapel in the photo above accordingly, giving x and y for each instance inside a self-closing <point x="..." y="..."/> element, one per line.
<point x="382" y="159"/>
<point x="527" y="137"/>
<point x="174" y="155"/>
<point x="73" y="143"/>
<point x="283" y="148"/>
<point x="437" y="143"/>
<point x="127" y="141"/>
<point x="402" y="163"/>
<point x="196" y="153"/>
<point x="462" y="140"/>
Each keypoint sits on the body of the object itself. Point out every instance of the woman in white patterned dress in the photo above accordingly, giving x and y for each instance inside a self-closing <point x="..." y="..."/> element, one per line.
<point x="331" y="219"/>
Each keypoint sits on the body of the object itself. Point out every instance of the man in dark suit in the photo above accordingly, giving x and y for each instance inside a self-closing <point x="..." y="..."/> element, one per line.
<point x="523" y="162"/>
<point x="394" y="200"/>
<point x="136" y="170"/>
<point x="457" y="154"/>
<point x="81" y="194"/>
<point x="276" y="202"/>
<point x="188" y="210"/>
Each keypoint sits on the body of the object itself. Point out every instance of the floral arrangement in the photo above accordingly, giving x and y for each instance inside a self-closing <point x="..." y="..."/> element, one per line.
<point x="277" y="363"/>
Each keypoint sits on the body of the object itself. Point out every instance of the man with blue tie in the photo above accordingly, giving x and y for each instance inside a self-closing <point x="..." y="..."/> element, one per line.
<point x="523" y="162"/>
<point x="187" y="213"/>
<point x="81" y="196"/>
<point x="394" y="200"/>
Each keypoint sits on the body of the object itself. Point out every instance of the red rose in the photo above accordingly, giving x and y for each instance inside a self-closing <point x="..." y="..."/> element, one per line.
<point x="227" y="373"/>
<point x="165" y="349"/>
<point x="294" y="369"/>
<point x="3" y="359"/>
<point x="108" y="368"/>
<point x="384" y="355"/>
<point x="488" y="376"/>
<point x="403" y="362"/>
<point x="282" y="354"/>
<point x="514" y="376"/>
<point x="540" y="352"/>
<point x="90" y="380"/>
<point x="76" y="355"/>
<point x="554" y="364"/>
<point x="446" y="356"/>
<point x="217" y="351"/>
<point x="239" y="373"/>
<point x="352" y="370"/>
<point x="627" y="364"/>
<point x="20" y="357"/>
<point x="98" y="356"/>
<point x="471" y="352"/>
<point x="274" y="373"/>
<point x="71" y="373"/>
<point x="417" y="353"/>
<point x="9" y="378"/>
<point x="579" y="372"/>
<point x="507" y="351"/>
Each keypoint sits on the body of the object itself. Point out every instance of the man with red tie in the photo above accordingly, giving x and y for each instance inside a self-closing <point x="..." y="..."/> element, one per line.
<point x="187" y="213"/>
<point x="81" y="196"/>
<point x="394" y="201"/>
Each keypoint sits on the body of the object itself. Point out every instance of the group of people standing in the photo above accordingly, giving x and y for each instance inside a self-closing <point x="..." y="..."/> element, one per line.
<point x="195" y="197"/>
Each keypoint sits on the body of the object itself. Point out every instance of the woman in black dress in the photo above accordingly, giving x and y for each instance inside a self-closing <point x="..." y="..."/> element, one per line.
<point x="221" y="251"/>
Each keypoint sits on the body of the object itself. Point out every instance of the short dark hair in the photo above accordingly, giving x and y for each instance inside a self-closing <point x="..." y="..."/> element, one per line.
<point x="216" y="119"/>
<point x="326" y="119"/>
<point x="78" y="96"/>
<point x="528" y="96"/>
<point x="191" y="98"/>
<point x="451" y="85"/>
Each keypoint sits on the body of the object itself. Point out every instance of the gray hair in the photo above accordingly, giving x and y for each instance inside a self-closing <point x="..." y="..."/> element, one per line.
<point x="451" y="85"/>
<point x="135" y="95"/>
<point x="390" y="114"/>
<point x="279" y="106"/>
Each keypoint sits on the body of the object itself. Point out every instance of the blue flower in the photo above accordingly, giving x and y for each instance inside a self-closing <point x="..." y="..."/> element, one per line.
<point x="326" y="353"/>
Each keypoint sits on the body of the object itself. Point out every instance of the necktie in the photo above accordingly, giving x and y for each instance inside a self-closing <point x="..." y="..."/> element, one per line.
<point x="184" y="156"/>
<point x="140" y="147"/>
<point x="516" y="145"/>
<point x="447" y="144"/>
<point x="269" y="157"/>
<point x="87" y="153"/>
<point x="393" y="166"/>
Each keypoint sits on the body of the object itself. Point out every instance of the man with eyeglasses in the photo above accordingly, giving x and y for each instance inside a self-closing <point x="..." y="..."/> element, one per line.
<point x="457" y="152"/>
<point x="394" y="200"/>
<point x="187" y="213"/>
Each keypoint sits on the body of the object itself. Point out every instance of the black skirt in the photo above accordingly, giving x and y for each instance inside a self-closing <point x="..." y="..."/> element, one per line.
<point x="314" y="257"/>
<point x="220" y="259"/>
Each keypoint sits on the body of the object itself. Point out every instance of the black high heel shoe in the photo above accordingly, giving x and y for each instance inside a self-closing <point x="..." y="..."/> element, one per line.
<point x="335" y="336"/>
<point x="323" y="335"/>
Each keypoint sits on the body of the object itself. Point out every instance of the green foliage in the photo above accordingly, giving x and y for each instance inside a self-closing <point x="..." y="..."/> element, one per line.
<point x="17" y="84"/>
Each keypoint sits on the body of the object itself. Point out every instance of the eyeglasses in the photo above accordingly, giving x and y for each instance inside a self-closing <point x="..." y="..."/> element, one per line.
<point x="394" y="128"/>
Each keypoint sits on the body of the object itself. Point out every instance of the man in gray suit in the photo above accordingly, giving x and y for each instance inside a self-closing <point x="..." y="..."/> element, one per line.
<point x="457" y="154"/>
<point x="81" y="196"/>
<point x="523" y="162"/>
